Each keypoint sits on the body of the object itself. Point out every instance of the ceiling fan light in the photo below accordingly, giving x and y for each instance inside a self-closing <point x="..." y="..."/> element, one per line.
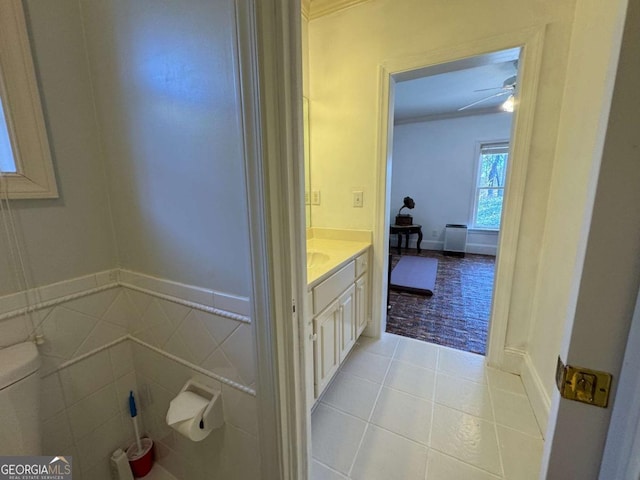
<point x="508" y="104"/>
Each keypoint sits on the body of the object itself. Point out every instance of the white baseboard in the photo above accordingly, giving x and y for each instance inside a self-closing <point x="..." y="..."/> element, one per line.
<point x="513" y="360"/>
<point x="540" y="400"/>
<point x="481" y="249"/>
<point x="476" y="248"/>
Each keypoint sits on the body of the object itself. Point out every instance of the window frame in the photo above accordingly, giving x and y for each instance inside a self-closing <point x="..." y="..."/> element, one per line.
<point x="505" y="143"/>
<point x="34" y="176"/>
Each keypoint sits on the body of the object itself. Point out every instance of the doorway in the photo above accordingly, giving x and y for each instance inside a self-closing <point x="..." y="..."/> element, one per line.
<point x="451" y="135"/>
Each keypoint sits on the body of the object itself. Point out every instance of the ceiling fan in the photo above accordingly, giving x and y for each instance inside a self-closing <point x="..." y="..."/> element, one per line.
<point x="508" y="88"/>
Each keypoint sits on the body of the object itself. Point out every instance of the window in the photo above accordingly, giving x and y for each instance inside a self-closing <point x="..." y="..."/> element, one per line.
<point x="489" y="192"/>
<point x="26" y="170"/>
<point x="7" y="161"/>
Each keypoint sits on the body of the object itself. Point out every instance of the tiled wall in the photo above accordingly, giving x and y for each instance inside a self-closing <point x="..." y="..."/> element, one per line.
<point x="85" y="410"/>
<point x="85" y="386"/>
<point x="230" y="452"/>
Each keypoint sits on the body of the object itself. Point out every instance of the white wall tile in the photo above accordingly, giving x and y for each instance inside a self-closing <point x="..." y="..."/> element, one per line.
<point x="196" y="338"/>
<point x="95" y="305"/>
<point x="51" y="398"/>
<point x="56" y="434"/>
<point x="121" y="358"/>
<point x="64" y="331"/>
<point x="218" y="363"/>
<point x="239" y="349"/>
<point x="241" y="455"/>
<point x="100" y="443"/>
<point x="92" y="411"/>
<point x="219" y="327"/>
<point x="13" y="330"/>
<point x="140" y="300"/>
<point x="240" y="409"/>
<point x="121" y="312"/>
<point x="86" y="377"/>
<point x="102" y="334"/>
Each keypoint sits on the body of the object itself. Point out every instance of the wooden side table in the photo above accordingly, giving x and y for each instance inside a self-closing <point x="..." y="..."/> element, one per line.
<point x="406" y="230"/>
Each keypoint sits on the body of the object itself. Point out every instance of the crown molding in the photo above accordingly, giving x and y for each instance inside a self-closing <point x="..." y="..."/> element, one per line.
<point x="445" y="116"/>
<point x="320" y="8"/>
<point x="306" y="8"/>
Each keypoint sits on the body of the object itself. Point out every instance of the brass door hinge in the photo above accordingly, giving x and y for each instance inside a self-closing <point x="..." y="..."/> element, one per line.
<point x="583" y="384"/>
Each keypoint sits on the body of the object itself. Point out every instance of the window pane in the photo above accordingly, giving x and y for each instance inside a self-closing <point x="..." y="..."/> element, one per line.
<point x="7" y="163"/>
<point x="489" y="207"/>
<point x="493" y="167"/>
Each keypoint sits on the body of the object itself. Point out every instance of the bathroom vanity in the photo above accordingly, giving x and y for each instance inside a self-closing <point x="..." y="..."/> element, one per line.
<point x="337" y="305"/>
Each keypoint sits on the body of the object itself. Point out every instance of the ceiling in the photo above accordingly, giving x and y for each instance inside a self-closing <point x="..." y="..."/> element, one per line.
<point x="441" y="90"/>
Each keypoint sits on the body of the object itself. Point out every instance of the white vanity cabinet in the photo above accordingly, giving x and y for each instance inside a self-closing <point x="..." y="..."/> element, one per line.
<point x="339" y="308"/>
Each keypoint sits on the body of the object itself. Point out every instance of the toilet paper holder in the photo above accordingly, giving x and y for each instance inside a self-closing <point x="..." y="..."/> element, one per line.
<point x="212" y="416"/>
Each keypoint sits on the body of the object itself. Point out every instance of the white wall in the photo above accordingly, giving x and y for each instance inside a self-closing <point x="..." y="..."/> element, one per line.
<point x="166" y="89"/>
<point x="435" y="163"/>
<point x="346" y="50"/>
<point x="70" y="236"/>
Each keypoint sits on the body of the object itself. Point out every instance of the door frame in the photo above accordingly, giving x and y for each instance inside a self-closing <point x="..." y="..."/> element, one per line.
<point x="530" y="41"/>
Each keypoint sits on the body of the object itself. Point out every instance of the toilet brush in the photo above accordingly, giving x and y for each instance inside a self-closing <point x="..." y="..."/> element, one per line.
<point x="134" y="416"/>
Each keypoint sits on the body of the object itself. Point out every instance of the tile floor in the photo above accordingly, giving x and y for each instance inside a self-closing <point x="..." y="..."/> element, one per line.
<point x="404" y="409"/>
<point x="158" y="473"/>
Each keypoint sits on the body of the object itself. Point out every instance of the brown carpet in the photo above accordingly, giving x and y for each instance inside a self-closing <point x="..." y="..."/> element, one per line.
<point x="457" y="315"/>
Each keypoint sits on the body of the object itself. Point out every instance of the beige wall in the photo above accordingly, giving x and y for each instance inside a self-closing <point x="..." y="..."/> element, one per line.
<point x="580" y="137"/>
<point x="346" y="49"/>
<point x="70" y="236"/>
<point x="166" y="91"/>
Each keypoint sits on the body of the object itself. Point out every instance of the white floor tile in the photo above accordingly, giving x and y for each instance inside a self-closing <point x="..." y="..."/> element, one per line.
<point x="411" y="379"/>
<point x="352" y="395"/>
<point x="508" y="382"/>
<point x="382" y="432"/>
<point x="521" y="454"/>
<point x="403" y="414"/>
<point x="444" y="467"/>
<point x="366" y="365"/>
<point x="159" y="473"/>
<point x="384" y="345"/>
<point x="457" y="363"/>
<point x="386" y="456"/>
<point x="515" y="411"/>
<point x="465" y="437"/>
<point x="335" y="437"/>
<point x="418" y="353"/>
<point x="469" y="397"/>
<point x="322" y="472"/>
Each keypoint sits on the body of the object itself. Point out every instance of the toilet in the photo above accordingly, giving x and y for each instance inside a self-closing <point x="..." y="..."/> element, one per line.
<point x="19" y="400"/>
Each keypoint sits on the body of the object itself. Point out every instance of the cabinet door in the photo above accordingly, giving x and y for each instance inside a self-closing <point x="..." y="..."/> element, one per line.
<point x="362" y="304"/>
<point x="347" y="316"/>
<point x="325" y="352"/>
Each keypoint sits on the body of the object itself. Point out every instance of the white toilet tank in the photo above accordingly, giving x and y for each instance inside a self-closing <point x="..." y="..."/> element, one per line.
<point x="19" y="400"/>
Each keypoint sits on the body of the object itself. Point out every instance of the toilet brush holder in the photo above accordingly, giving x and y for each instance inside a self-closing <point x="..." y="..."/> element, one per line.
<point x="141" y="461"/>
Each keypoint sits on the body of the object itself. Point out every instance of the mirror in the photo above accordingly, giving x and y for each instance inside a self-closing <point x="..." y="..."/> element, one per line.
<point x="307" y="163"/>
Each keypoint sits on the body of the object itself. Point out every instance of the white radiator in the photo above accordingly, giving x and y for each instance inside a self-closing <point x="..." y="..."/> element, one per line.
<point x="455" y="239"/>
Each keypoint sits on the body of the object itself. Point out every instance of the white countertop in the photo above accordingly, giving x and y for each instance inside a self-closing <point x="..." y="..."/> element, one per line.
<point x="340" y="252"/>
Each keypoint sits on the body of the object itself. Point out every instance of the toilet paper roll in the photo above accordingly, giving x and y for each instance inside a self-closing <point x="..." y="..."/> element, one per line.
<point x="185" y="413"/>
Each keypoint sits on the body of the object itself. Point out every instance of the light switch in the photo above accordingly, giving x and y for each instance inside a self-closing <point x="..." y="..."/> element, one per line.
<point x="357" y="199"/>
<point x="315" y="197"/>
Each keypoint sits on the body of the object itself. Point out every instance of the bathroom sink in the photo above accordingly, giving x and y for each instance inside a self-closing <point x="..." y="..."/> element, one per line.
<point x="315" y="259"/>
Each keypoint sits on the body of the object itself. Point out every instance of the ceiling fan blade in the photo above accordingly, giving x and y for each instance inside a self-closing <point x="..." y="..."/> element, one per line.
<point x="483" y="100"/>
<point x="487" y="89"/>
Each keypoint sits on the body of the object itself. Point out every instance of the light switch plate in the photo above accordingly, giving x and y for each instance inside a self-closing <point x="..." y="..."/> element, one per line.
<point x="357" y="199"/>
